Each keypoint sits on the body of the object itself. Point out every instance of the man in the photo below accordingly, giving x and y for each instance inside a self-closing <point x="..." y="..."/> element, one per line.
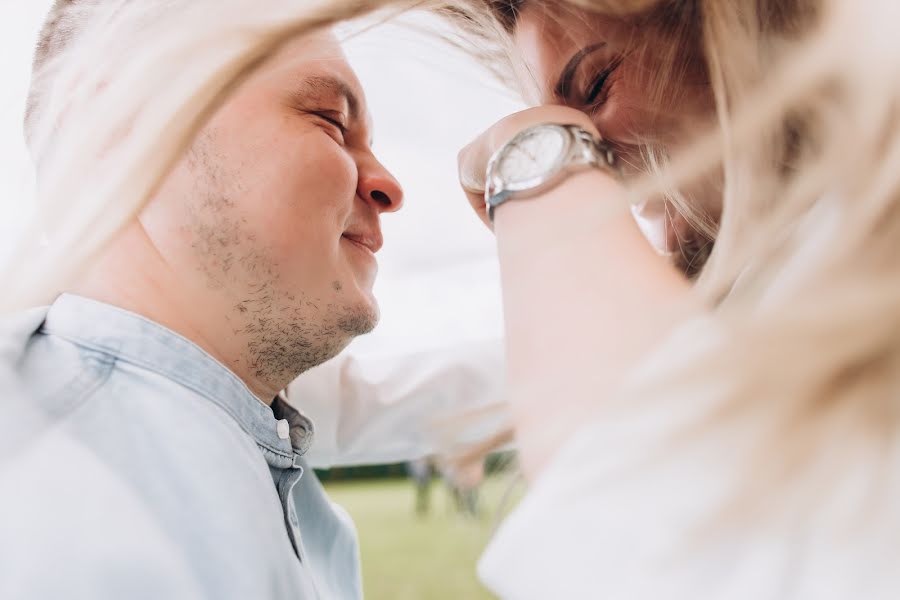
<point x="166" y="465"/>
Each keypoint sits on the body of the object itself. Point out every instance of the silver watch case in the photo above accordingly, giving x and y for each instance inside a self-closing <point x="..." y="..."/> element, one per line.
<point x="580" y="150"/>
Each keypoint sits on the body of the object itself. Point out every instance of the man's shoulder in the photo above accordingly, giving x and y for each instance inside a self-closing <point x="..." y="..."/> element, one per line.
<point x="156" y="432"/>
<point x="50" y="373"/>
<point x="124" y="474"/>
<point x="149" y="430"/>
<point x="16" y="330"/>
<point x="119" y="494"/>
<point x="60" y="495"/>
<point x="95" y="392"/>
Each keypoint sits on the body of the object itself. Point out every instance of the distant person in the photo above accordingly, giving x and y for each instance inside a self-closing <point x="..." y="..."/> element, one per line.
<point x="463" y="483"/>
<point x="420" y="471"/>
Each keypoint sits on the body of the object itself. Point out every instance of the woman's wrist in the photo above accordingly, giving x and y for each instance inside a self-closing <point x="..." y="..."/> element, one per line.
<point x="583" y="200"/>
<point x="585" y="296"/>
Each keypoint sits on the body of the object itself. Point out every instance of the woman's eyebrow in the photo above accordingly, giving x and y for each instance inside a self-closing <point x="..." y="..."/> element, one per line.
<point x="564" y="83"/>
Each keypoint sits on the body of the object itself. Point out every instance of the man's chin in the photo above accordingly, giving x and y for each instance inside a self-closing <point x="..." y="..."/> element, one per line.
<point x="361" y="319"/>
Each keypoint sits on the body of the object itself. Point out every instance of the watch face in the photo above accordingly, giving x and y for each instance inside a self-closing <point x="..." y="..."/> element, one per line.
<point x="532" y="156"/>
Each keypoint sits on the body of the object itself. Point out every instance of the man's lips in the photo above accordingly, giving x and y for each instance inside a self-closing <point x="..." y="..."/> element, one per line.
<point x="371" y="241"/>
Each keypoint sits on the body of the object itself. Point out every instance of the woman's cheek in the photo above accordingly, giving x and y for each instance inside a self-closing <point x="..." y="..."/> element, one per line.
<point x="626" y="117"/>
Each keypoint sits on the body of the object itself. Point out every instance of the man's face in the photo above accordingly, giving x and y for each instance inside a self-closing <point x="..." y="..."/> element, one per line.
<point x="273" y="215"/>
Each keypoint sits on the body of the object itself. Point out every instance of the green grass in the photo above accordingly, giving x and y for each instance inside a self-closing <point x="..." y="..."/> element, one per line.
<point x="410" y="557"/>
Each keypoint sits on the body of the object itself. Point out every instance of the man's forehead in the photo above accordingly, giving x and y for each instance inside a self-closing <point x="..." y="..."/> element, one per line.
<point x="321" y="44"/>
<point x="318" y="55"/>
<point x="320" y="49"/>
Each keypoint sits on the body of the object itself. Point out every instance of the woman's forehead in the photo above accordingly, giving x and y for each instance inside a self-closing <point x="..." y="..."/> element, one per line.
<point x="548" y="39"/>
<point x="545" y="43"/>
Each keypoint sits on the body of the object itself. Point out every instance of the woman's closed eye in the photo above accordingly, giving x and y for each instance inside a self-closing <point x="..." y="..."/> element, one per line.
<point x="597" y="92"/>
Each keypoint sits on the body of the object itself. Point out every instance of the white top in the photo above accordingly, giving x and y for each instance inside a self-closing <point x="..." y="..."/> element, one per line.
<point x="621" y="514"/>
<point x="395" y="409"/>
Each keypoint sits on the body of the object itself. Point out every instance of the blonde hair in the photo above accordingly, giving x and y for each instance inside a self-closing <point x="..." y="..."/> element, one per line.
<point x="804" y="280"/>
<point x="806" y="136"/>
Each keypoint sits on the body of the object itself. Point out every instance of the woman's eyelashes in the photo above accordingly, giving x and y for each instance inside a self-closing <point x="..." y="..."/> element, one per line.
<point x="599" y="86"/>
<point x="596" y="93"/>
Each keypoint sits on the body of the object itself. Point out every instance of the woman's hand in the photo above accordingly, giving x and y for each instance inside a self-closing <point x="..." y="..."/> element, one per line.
<point x="473" y="159"/>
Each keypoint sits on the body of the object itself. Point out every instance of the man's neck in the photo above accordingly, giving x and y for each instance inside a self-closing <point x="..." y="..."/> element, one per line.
<point x="132" y="275"/>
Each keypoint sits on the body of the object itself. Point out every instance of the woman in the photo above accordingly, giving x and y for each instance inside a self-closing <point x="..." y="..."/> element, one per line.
<point x="735" y="438"/>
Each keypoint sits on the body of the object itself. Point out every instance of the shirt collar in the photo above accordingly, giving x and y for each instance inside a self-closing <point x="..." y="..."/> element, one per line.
<point x="137" y="340"/>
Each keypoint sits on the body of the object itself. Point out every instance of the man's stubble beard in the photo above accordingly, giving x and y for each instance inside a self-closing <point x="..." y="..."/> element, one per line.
<point x="287" y="331"/>
<point x="287" y="337"/>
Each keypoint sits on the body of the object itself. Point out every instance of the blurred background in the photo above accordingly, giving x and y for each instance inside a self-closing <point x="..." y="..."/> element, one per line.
<point x="422" y="525"/>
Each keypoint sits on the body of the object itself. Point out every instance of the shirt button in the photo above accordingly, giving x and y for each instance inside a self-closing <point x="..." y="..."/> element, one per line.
<point x="283" y="428"/>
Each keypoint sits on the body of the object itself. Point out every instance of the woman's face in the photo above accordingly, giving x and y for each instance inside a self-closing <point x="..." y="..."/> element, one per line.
<point x="640" y="88"/>
<point x="611" y="70"/>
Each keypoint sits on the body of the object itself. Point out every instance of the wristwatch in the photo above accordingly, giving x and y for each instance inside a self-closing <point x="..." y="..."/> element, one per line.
<point x="539" y="158"/>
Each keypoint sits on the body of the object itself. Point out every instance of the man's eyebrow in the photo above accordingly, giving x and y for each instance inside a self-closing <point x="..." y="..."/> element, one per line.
<point x="564" y="83"/>
<point x="327" y="84"/>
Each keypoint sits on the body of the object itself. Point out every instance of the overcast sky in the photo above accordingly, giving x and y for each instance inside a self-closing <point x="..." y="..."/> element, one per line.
<point x="438" y="284"/>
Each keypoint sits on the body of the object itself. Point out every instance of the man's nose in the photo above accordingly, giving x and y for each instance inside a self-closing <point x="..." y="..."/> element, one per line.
<point x="379" y="187"/>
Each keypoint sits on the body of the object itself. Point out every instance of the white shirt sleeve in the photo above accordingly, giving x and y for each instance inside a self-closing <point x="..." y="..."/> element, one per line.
<point x="628" y="510"/>
<point x="387" y="410"/>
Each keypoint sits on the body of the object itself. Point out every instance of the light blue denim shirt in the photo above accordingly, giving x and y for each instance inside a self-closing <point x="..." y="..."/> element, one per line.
<point x="137" y="466"/>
